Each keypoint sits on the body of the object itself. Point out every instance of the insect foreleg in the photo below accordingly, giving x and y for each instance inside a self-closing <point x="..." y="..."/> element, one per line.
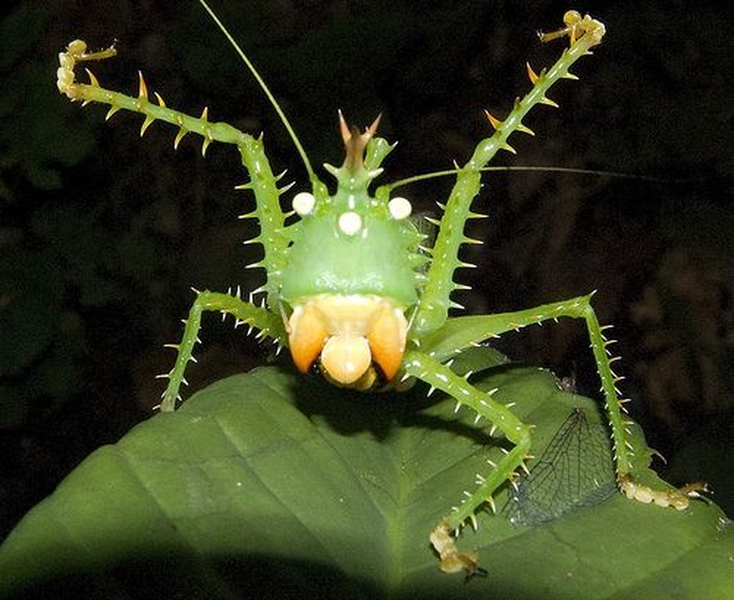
<point x="263" y="183"/>
<point x="93" y="92"/>
<point x="435" y="300"/>
<point x="268" y="323"/>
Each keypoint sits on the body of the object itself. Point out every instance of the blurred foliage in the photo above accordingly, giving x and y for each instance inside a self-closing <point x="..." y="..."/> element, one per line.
<point x="101" y="235"/>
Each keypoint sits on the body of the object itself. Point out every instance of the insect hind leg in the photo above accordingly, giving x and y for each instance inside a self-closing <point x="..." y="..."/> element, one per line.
<point x="430" y="365"/>
<point x="466" y="331"/>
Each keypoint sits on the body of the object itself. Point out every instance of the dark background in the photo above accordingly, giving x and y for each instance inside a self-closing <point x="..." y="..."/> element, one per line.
<point x="102" y="234"/>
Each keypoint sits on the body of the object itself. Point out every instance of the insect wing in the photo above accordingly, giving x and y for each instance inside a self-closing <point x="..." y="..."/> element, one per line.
<point x="575" y="471"/>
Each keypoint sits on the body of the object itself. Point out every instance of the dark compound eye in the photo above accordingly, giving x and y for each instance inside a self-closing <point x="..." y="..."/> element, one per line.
<point x="315" y="369"/>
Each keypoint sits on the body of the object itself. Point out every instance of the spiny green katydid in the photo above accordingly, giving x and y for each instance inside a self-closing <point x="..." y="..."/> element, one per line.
<point x="358" y="294"/>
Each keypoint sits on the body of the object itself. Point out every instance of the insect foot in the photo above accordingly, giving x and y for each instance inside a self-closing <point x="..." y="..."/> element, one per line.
<point x="576" y="26"/>
<point x="76" y="51"/>
<point x="675" y="498"/>
<point x="452" y="560"/>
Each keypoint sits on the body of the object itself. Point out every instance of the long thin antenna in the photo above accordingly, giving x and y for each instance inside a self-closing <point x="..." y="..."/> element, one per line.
<point x="542" y="169"/>
<point x="265" y="88"/>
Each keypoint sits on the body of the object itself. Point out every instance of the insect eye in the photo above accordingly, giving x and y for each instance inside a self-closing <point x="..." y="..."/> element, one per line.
<point x="350" y="223"/>
<point x="315" y="369"/>
<point x="303" y="203"/>
<point x="400" y="208"/>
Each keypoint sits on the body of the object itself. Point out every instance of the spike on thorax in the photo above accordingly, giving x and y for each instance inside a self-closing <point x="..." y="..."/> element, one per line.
<point x="355" y="143"/>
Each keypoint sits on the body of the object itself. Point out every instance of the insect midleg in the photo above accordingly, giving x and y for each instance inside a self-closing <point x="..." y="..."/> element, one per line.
<point x="440" y="376"/>
<point x="245" y="313"/>
<point x="474" y="329"/>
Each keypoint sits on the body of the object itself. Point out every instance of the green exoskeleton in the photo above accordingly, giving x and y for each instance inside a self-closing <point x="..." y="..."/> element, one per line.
<point x="356" y="292"/>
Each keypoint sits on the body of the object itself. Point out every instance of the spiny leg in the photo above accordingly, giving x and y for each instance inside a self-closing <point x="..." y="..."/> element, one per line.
<point x="440" y="376"/>
<point x="462" y="332"/>
<point x="244" y="312"/>
<point x="435" y="300"/>
<point x="263" y="183"/>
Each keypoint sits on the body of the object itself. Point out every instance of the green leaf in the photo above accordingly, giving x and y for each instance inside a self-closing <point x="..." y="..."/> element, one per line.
<point x="271" y="485"/>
